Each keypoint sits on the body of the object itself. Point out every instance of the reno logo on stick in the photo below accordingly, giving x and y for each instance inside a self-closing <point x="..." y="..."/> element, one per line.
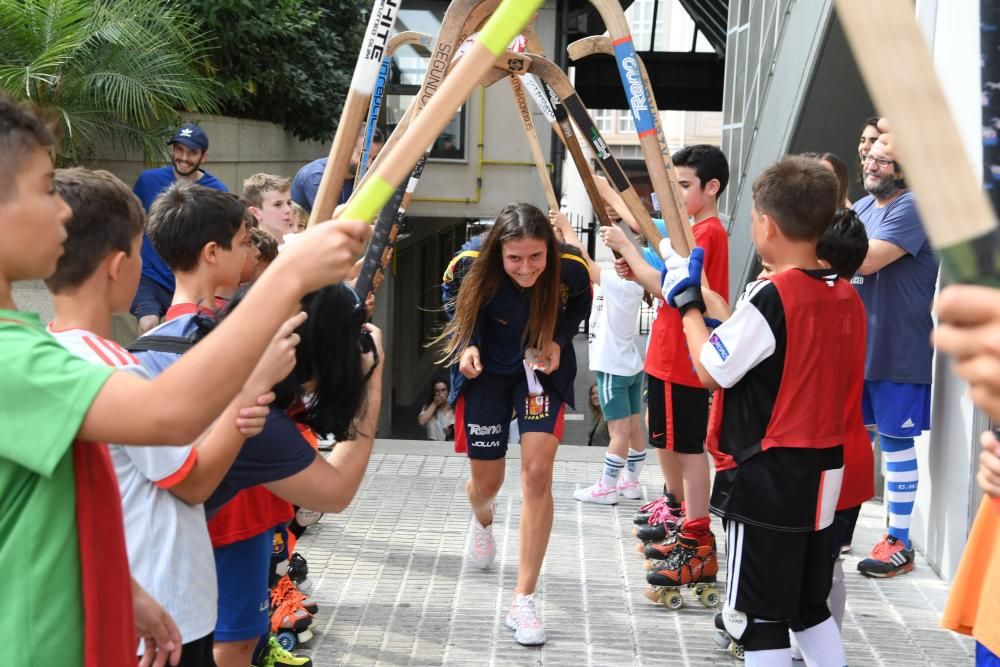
<point x="630" y="70"/>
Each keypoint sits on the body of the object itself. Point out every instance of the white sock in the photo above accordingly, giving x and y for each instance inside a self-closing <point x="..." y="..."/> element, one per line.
<point x="838" y="593"/>
<point x="821" y="645"/>
<point x="778" y="657"/>
<point x="634" y="464"/>
<point x="613" y="466"/>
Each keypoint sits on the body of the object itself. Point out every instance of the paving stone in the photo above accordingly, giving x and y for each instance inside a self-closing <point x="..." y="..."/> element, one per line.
<point x="394" y="588"/>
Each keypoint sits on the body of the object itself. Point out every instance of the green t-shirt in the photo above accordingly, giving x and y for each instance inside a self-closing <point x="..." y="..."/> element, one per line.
<point x="45" y="392"/>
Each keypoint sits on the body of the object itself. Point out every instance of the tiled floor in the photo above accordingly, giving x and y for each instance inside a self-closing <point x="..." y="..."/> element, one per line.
<point x="394" y="588"/>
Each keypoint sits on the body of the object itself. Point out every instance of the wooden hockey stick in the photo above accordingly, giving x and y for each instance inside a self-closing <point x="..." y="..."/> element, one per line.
<point x="551" y="107"/>
<point x="536" y="149"/>
<point x="506" y="22"/>
<point x="955" y="211"/>
<point x="390" y="218"/>
<point x="380" y="24"/>
<point x="652" y="139"/>
<point x="456" y="26"/>
<point x="555" y="79"/>
<point x="398" y="41"/>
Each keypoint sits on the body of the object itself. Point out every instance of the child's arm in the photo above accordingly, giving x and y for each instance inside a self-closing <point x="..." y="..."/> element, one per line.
<point x="735" y="346"/>
<point x="220" y="446"/>
<point x="614" y="201"/>
<point x="562" y="223"/>
<point x="329" y="485"/>
<point x="180" y="403"/>
<point x="644" y="274"/>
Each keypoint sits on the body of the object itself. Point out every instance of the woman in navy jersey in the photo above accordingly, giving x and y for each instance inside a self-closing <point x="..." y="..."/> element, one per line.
<point x="515" y="298"/>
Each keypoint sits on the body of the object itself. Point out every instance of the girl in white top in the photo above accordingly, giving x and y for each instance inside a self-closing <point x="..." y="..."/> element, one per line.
<point x="614" y="354"/>
<point x="436" y="415"/>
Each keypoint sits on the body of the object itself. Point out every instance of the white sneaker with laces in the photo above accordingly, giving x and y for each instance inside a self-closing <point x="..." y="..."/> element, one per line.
<point x="524" y="618"/>
<point x="482" y="548"/>
<point x="597" y="493"/>
<point x="629" y="489"/>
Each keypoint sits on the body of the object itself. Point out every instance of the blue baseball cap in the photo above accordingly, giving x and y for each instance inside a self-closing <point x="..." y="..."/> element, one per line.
<point x="191" y="136"/>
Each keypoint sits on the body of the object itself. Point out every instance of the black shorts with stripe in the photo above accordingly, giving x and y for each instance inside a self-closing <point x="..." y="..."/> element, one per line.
<point x="678" y="416"/>
<point x="778" y="575"/>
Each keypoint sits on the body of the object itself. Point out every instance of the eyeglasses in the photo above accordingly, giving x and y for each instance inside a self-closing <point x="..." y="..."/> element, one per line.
<point x="880" y="161"/>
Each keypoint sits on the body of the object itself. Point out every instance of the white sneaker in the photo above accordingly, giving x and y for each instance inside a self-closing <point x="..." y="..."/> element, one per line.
<point x="525" y="620"/>
<point x="597" y="493"/>
<point x="629" y="489"/>
<point x="482" y="548"/>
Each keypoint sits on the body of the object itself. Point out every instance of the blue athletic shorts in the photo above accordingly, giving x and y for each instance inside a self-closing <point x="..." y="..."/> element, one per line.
<point x="984" y="658"/>
<point x="620" y="395"/>
<point x="244" y="602"/>
<point x="895" y="409"/>
<point x="484" y="409"/>
<point x="151" y="298"/>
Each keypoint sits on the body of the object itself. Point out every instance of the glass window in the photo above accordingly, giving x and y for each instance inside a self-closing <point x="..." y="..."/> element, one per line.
<point x="625" y="123"/>
<point x="409" y="66"/>
<point x="604" y="119"/>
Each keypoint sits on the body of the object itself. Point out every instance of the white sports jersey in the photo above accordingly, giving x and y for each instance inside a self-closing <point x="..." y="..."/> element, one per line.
<point x="169" y="551"/>
<point x="614" y="326"/>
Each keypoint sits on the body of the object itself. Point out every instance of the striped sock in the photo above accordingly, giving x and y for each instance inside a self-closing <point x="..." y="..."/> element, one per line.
<point x="900" y="457"/>
<point x="613" y="466"/>
<point x="634" y="464"/>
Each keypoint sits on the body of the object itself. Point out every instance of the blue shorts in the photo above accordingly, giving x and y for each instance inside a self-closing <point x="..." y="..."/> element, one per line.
<point x="620" y="395"/>
<point x="984" y="658"/>
<point x="151" y="298"/>
<point x="483" y="414"/>
<point x="895" y="409"/>
<point x="244" y="602"/>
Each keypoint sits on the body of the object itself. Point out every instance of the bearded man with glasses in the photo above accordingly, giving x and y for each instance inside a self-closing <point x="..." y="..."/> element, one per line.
<point x="896" y="282"/>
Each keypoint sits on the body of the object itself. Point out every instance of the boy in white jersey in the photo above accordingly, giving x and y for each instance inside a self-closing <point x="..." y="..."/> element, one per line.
<point x="614" y="354"/>
<point x="162" y="488"/>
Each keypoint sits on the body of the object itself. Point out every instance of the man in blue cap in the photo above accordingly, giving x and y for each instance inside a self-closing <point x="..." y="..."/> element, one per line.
<point x="188" y="147"/>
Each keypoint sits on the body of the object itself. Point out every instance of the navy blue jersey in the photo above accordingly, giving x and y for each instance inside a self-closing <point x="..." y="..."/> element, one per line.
<point x="500" y="326"/>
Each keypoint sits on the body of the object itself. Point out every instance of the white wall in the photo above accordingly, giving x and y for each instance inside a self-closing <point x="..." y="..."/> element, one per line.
<point x="947" y="454"/>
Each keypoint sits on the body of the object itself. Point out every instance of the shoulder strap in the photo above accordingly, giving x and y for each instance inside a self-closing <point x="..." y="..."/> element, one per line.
<point x="155" y="343"/>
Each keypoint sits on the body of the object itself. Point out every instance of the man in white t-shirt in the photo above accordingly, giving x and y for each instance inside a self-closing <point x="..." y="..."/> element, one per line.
<point x="614" y="354"/>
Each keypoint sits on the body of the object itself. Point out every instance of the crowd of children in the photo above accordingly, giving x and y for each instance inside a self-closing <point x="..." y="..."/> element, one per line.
<point x="210" y="392"/>
<point x="165" y="476"/>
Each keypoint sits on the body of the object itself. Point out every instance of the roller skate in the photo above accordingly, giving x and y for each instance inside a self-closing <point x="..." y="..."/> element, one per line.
<point x="286" y="589"/>
<point x="657" y="553"/>
<point x="298" y="572"/>
<point x="725" y="641"/>
<point x="691" y="565"/>
<point x="290" y="624"/>
<point x="662" y="521"/>
<point x="274" y="655"/>
<point x="641" y="517"/>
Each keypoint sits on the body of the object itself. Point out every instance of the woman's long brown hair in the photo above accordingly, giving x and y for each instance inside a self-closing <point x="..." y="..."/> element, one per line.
<point x="516" y="221"/>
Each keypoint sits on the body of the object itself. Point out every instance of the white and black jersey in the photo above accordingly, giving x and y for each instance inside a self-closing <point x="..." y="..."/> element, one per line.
<point x="785" y="360"/>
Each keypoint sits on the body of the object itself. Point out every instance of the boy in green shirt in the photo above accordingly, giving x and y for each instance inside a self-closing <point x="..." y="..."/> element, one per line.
<point x="54" y="403"/>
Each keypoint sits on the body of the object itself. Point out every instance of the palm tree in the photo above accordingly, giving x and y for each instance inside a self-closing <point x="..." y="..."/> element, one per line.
<point x="114" y="72"/>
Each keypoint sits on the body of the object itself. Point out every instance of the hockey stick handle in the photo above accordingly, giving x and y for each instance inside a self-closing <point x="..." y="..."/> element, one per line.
<point x="536" y="149"/>
<point x="506" y="22"/>
<point x="380" y="24"/>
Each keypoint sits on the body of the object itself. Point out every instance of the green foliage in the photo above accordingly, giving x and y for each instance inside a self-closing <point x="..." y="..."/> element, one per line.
<point x="285" y="61"/>
<point x="114" y="71"/>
